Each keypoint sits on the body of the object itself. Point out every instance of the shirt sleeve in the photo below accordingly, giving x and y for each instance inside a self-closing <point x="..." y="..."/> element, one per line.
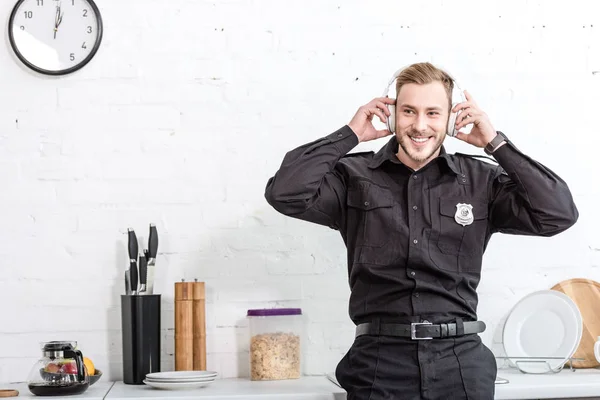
<point x="308" y="186"/>
<point x="528" y="198"/>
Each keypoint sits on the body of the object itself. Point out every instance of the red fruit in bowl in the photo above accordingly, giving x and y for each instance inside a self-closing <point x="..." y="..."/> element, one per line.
<point x="70" y="368"/>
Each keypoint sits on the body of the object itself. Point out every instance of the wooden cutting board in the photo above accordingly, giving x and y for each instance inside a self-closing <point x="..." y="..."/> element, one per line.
<point x="586" y="294"/>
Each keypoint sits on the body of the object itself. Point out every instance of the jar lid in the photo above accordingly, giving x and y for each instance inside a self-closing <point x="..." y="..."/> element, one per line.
<point x="59" y="345"/>
<point x="269" y="312"/>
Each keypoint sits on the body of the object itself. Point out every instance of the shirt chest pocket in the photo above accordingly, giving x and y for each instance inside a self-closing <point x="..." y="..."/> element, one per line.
<point x="458" y="233"/>
<point x="370" y="214"/>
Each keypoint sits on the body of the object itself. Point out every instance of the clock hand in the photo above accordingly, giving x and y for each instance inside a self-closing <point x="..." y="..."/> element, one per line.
<point x="60" y="16"/>
<point x="57" y="19"/>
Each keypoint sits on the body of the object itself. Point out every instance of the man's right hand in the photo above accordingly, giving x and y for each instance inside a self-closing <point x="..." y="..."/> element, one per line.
<point x="362" y="125"/>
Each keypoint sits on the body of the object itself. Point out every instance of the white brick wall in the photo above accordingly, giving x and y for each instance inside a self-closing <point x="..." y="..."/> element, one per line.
<point x="186" y="111"/>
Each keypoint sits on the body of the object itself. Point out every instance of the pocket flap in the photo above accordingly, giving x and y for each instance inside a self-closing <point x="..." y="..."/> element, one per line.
<point x="368" y="197"/>
<point x="448" y="207"/>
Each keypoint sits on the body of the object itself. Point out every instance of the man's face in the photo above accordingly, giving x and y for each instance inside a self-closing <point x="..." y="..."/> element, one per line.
<point x="421" y="121"/>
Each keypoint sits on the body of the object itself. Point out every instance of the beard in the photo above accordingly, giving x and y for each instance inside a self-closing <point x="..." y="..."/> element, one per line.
<point x="420" y="154"/>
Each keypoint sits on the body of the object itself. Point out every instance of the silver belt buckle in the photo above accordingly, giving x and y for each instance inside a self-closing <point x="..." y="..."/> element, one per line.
<point x="413" y="330"/>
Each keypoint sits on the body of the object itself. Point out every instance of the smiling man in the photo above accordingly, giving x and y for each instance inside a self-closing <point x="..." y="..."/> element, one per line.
<point x="421" y="122"/>
<point x="416" y="222"/>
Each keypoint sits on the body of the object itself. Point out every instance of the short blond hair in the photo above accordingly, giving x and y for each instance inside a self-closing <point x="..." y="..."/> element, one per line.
<point x="424" y="73"/>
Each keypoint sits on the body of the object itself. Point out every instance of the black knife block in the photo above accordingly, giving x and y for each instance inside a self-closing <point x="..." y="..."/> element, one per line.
<point x="140" y="328"/>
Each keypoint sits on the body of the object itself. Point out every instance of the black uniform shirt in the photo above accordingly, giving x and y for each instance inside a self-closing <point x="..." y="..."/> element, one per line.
<point x="415" y="239"/>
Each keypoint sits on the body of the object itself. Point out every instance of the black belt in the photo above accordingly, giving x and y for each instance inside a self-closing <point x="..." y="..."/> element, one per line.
<point x="421" y="330"/>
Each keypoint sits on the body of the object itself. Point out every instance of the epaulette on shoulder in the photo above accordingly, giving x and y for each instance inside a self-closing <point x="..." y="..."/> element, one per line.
<point x="486" y="159"/>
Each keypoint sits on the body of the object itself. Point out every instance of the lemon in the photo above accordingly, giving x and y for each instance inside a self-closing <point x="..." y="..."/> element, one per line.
<point x="89" y="365"/>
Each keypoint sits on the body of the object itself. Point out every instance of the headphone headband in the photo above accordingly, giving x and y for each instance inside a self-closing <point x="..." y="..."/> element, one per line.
<point x="393" y="79"/>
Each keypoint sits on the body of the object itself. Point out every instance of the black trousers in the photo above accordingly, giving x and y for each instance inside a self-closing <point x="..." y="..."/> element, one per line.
<point x="385" y="367"/>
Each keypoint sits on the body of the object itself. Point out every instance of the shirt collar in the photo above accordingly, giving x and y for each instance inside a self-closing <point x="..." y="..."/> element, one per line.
<point x="388" y="153"/>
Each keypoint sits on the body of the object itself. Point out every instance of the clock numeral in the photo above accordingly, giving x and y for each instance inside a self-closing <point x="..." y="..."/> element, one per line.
<point x="83" y="46"/>
<point x="72" y="56"/>
<point x="28" y="14"/>
<point x="72" y="2"/>
<point x="40" y="2"/>
<point x="89" y="29"/>
<point x="85" y="13"/>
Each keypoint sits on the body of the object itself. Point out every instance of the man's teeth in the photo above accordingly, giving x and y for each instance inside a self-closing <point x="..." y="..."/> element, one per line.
<point x="419" y="140"/>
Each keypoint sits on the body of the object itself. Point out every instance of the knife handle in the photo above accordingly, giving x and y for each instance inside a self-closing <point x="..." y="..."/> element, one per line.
<point x="152" y="241"/>
<point x="133" y="272"/>
<point x="132" y="244"/>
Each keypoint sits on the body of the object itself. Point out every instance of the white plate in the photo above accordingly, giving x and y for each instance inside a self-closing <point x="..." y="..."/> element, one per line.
<point x="207" y="379"/>
<point x="577" y="314"/>
<point x="546" y="323"/>
<point x="178" y="375"/>
<point x="176" y="385"/>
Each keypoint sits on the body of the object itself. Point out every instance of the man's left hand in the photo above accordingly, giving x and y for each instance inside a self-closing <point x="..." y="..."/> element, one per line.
<point x="469" y="113"/>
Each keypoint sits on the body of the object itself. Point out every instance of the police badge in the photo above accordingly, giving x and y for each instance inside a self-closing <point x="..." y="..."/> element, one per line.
<point x="464" y="214"/>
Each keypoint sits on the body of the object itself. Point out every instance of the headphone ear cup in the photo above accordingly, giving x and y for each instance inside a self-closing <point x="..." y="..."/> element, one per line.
<point x="391" y="121"/>
<point x="451" y="129"/>
<point x="457" y="97"/>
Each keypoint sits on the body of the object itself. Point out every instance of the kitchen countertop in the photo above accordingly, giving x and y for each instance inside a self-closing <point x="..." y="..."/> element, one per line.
<point x="578" y="384"/>
<point x="96" y="392"/>
<point x="305" y="388"/>
<point x="565" y="384"/>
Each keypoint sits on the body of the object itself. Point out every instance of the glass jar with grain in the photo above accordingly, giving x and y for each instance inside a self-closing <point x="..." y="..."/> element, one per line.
<point x="275" y="337"/>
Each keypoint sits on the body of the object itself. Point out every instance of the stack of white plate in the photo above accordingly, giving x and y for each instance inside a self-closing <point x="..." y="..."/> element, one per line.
<point x="180" y="379"/>
<point x="542" y="332"/>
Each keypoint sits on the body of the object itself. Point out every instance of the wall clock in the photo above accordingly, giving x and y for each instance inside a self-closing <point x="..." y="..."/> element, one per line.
<point x="55" y="37"/>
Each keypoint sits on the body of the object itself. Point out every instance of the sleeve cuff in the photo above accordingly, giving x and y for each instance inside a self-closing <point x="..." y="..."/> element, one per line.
<point x="344" y="139"/>
<point x="508" y="157"/>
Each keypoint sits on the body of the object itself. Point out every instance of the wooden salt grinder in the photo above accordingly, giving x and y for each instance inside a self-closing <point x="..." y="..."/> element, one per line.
<point x="184" y="329"/>
<point x="199" y="297"/>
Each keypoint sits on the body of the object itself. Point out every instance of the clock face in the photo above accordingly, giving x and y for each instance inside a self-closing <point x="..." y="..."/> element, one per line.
<point x="55" y="37"/>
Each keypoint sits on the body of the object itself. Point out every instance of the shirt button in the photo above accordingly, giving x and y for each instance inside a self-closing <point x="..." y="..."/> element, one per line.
<point x="414" y="177"/>
<point x="366" y="203"/>
<point x="416" y="294"/>
<point x="415" y="241"/>
<point x="464" y="180"/>
<point x="340" y="135"/>
<point x="412" y="273"/>
<point x="415" y="207"/>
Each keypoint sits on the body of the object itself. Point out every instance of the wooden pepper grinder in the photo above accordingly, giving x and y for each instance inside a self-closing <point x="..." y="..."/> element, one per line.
<point x="199" y="298"/>
<point x="184" y="328"/>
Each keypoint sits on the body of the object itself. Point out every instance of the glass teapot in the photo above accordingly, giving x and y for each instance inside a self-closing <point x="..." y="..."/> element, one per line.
<point x="59" y="372"/>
